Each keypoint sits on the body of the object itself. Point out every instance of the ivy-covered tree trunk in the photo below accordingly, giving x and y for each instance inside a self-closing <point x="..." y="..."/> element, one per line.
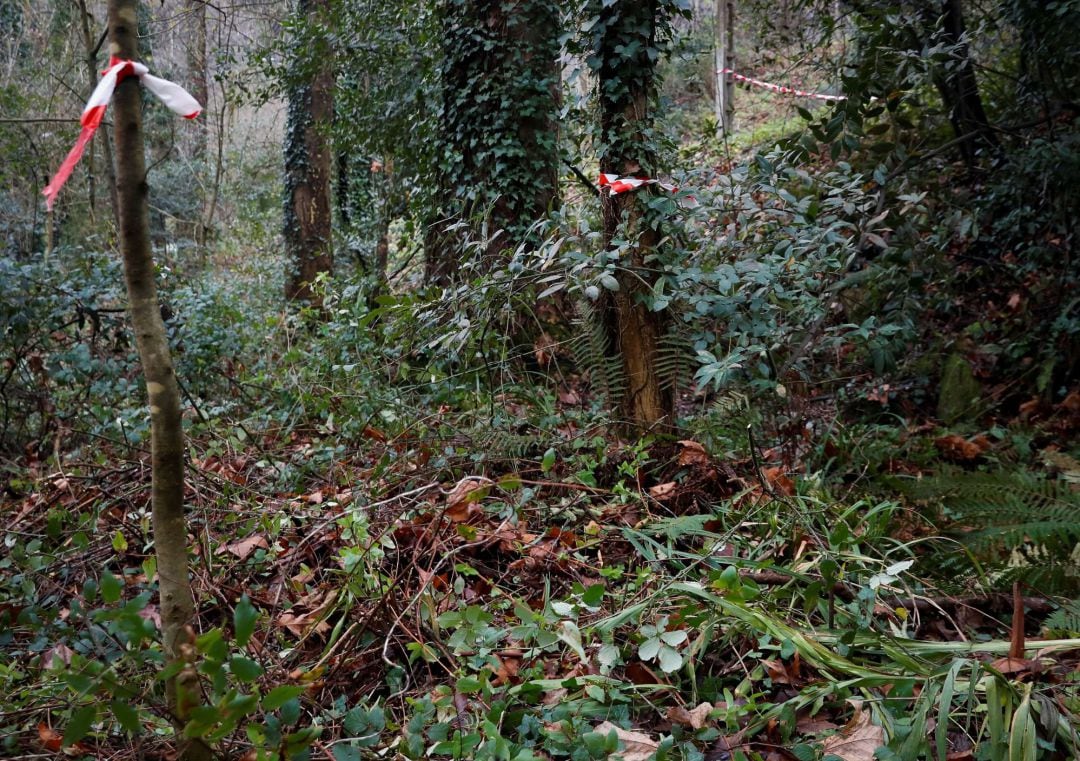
<point x="167" y="433"/>
<point x="627" y="49"/>
<point x="308" y="243"/>
<point x="498" y="124"/>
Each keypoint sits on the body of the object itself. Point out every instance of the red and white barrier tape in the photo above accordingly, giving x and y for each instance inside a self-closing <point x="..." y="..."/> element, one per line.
<point x="171" y="94"/>
<point x="780" y="88"/>
<point x="616" y="184"/>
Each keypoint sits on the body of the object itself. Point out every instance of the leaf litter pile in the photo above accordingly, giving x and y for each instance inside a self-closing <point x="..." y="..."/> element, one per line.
<point x="641" y="603"/>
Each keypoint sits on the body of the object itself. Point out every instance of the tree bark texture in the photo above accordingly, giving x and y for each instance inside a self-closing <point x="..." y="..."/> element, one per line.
<point x="198" y="83"/>
<point x="498" y="124"/>
<point x="959" y="88"/>
<point x="167" y="434"/>
<point x="634" y="330"/>
<point x="308" y="170"/>
<point x="198" y="76"/>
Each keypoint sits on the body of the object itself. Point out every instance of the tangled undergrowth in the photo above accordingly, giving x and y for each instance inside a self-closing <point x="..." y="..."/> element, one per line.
<point x="417" y="532"/>
<point x="422" y="598"/>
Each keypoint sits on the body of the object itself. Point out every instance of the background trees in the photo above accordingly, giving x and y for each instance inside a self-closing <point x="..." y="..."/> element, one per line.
<point x="308" y="154"/>
<point x="541" y="445"/>
<point x="628" y="40"/>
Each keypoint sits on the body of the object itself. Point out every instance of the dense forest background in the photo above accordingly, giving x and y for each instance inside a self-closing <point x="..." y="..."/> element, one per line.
<point x="601" y="379"/>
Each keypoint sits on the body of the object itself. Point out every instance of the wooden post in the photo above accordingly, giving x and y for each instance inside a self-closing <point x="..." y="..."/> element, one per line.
<point x="725" y="59"/>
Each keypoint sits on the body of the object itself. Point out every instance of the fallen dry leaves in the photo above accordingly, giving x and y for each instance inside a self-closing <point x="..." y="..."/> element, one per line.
<point x="692" y="454"/>
<point x="663" y="492"/>
<point x="243" y="548"/>
<point x="779" y="481"/>
<point x="858" y="740"/>
<point x="53" y="741"/>
<point x="460" y="502"/>
<point x="636" y="746"/>
<point x="959" y="449"/>
<point x="300" y="622"/>
<point x="695" y="718"/>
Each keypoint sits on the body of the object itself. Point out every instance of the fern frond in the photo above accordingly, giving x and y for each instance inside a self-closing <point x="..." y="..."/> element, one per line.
<point x="1065" y="621"/>
<point x="675" y="359"/>
<point x="731" y="403"/>
<point x="1027" y="527"/>
<point x="1000" y="498"/>
<point x="592" y="354"/>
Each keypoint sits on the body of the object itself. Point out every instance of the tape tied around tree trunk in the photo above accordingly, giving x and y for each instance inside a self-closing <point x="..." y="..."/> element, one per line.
<point x="616" y="184"/>
<point x="175" y="97"/>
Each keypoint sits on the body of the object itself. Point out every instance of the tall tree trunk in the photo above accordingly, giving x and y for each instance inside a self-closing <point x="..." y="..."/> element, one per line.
<point x="167" y="433"/>
<point x="199" y="87"/>
<point x="498" y="123"/>
<point x="198" y="77"/>
<point x="960" y="90"/>
<point x="308" y="214"/>
<point x="626" y="90"/>
<point x="725" y="59"/>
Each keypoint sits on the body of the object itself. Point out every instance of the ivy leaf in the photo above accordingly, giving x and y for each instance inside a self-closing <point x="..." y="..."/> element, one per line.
<point x="673" y="638"/>
<point x="649" y="649"/>
<point x="290" y="711"/>
<point x="468" y="684"/>
<point x="346" y="753"/>
<point x="670" y="660"/>
<point x="245" y="669"/>
<point x="608" y="655"/>
<point x="549" y="460"/>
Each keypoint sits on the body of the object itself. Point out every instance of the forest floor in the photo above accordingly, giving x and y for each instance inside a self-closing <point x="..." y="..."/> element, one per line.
<point x="502" y="576"/>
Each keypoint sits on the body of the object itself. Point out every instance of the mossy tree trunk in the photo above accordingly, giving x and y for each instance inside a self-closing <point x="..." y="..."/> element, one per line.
<point x="498" y="124"/>
<point x="167" y="433"/>
<point x="308" y="159"/>
<point x="627" y="85"/>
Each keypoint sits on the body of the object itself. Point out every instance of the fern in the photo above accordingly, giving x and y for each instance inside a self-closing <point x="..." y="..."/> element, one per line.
<point x="730" y="403"/>
<point x="1065" y="621"/>
<point x="1027" y="527"/>
<point x="676" y="359"/>
<point x="593" y="355"/>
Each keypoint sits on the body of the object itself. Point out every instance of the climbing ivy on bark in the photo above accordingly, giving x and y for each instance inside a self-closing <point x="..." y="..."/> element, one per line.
<point x="498" y="129"/>
<point x="624" y="42"/>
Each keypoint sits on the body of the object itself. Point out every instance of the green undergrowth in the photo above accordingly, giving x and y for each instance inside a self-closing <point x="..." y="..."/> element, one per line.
<point x="417" y="530"/>
<point x="424" y="597"/>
